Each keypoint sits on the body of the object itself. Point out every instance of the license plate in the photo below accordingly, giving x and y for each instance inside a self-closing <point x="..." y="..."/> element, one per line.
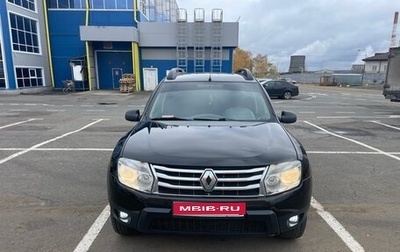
<point x="209" y="209"/>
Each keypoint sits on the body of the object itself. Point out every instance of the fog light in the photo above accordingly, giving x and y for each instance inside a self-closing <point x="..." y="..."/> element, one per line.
<point x="124" y="217"/>
<point x="293" y="221"/>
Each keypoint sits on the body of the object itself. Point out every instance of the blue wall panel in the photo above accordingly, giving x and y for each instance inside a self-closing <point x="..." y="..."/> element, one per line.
<point x="112" y="18"/>
<point x="161" y="65"/>
<point x="7" y="47"/>
<point x="65" y="42"/>
<point x="164" y="65"/>
<point x="116" y="46"/>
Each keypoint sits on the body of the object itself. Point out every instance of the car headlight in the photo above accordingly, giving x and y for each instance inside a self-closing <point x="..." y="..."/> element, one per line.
<point x="282" y="177"/>
<point x="135" y="174"/>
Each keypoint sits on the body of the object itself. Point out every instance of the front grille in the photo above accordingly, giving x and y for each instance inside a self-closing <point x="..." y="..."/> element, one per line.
<point x="216" y="226"/>
<point x="186" y="181"/>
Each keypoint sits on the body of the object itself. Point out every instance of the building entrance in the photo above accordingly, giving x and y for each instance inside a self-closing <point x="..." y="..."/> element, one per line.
<point x="110" y="68"/>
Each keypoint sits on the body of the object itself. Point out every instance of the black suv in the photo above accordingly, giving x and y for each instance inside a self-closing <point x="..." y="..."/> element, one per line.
<point x="209" y="155"/>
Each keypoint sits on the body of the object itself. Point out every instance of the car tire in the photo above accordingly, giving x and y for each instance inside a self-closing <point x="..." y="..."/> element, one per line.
<point x="294" y="233"/>
<point x="120" y="228"/>
<point x="287" y="95"/>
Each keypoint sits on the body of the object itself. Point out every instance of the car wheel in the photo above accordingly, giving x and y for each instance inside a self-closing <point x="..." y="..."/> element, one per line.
<point x="296" y="232"/>
<point x="287" y="95"/>
<point x="120" y="228"/>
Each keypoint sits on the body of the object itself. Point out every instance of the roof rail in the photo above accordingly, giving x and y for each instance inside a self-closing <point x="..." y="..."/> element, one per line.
<point x="246" y="73"/>
<point x="174" y="72"/>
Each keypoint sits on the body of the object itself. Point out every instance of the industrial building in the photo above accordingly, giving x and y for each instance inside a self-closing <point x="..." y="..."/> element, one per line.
<point x="96" y="42"/>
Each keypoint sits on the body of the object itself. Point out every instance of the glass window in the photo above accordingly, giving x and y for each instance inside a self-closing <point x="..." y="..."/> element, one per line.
<point x="27" y="4"/>
<point x="63" y="4"/>
<point x="97" y="4"/>
<point x="24" y="34"/>
<point x="66" y="4"/>
<point x="111" y="4"/>
<point x="29" y="77"/>
<point x="122" y="4"/>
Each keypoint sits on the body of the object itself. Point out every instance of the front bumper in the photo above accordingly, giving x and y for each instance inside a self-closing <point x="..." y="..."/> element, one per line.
<point x="264" y="215"/>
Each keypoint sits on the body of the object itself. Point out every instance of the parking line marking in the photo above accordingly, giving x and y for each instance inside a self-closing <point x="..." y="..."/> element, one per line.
<point x="110" y="150"/>
<point x="13" y="124"/>
<point x="2" y="161"/>
<point x="352" y="152"/>
<point x="386" y="125"/>
<point x="73" y="149"/>
<point x="346" y="237"/>
<point x="333" y="223"/>
<point x="355" y="141"/>
<point x="94" y="230"/>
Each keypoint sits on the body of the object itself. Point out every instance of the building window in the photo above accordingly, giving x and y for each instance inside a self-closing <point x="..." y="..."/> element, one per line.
<point x="111" y="4"/>
<point x="2" y="77"/>
<point x="27" y="4"/>
<point x="24" y="34"/>
<point x="66" y="4"/>
<point x="384" y="68"/>
<point x="29" y="77"/>
<point x="374" y="68"/>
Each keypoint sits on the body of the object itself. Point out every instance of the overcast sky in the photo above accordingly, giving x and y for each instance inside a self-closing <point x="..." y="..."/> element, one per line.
<point x="332" y="34"/>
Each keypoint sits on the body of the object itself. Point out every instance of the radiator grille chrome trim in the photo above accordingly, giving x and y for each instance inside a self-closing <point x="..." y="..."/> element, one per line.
<point x="243" y="181"/>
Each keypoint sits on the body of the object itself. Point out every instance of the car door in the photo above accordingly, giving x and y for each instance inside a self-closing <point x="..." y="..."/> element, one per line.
<point x="279" y="88"/>
<point x="269" y="86"/>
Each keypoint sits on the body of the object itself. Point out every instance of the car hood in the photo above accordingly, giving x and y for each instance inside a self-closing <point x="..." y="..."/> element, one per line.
<point x="211" y="145"/>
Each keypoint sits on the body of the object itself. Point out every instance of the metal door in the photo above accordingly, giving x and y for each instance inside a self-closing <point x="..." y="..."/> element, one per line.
<point x="116" y="76"/>
<point x="150" y="78"/>
<point x="107" y="62"/>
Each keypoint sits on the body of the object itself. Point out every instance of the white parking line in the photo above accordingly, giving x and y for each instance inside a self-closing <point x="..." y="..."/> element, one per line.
<point x="332" y="222"/>
<point x="13" y="124"/>
<point x="346" y="237"/>
<point x="386" y="125"/>
<point x="355" y="141"/>
<point x="352" y="152"/>
<point x="2" y="161"/>
<point x="94" y="230"/>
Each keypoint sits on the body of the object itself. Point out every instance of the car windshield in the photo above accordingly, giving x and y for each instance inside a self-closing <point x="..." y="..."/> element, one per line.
<point x="210" y="102"/>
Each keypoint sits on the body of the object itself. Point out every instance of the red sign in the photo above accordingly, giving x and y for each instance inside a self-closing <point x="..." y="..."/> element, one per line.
<point x="209" y="209"/>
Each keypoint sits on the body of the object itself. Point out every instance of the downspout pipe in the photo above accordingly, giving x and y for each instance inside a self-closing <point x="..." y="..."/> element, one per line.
<point x="46" y="23"/>
<point x="135" y="50"/>
<point x="89" y="68"/>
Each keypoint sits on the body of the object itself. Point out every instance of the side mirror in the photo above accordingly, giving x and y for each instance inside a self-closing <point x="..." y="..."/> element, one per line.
<point x="287" y="117"/>
<point x="132" y="115"/>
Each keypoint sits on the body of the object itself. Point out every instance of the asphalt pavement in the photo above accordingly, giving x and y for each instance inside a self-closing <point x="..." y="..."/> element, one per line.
<point x="55" y="147"/>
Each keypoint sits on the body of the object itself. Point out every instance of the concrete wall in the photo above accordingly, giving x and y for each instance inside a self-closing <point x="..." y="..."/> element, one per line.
<point x="164" y="34"/>
<point x="314" y="78"/>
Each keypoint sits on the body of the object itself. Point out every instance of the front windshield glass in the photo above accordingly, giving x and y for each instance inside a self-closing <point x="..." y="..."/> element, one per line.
<point x="210" y="101"/>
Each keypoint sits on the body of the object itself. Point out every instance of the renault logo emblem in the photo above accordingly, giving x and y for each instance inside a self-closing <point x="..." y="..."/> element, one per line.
<point x="208" y="180"/>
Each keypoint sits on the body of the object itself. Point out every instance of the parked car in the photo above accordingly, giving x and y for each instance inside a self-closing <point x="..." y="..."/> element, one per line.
<point x="281" y="89"/>
<point x="289" y="80"/>
<point x="209" y="155"/>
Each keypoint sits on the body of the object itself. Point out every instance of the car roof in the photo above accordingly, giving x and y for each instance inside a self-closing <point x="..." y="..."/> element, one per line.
<point x="242" y="75"/>
<point x="209" y="77"/>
